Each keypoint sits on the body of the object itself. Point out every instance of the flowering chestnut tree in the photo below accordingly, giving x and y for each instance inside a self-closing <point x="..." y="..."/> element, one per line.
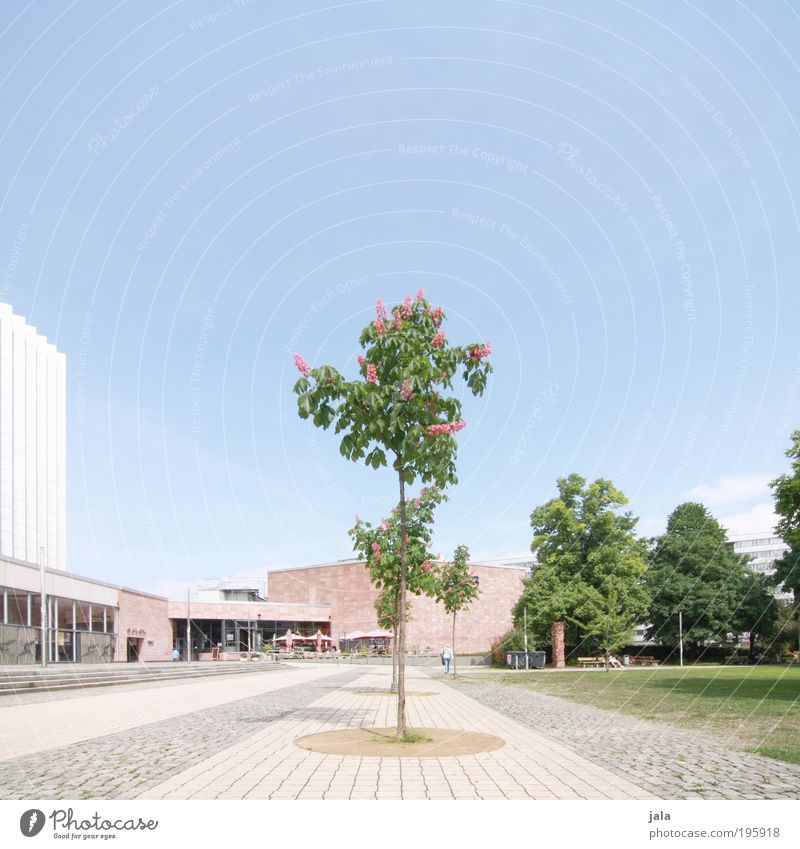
<point x="398" y="412"/>
<point x="381" y="548"/>
<point x="455" y="588"/>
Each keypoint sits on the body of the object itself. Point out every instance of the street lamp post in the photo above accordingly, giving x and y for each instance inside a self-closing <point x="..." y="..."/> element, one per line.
<point x="525" y="626"/>
<point x="42" y="568"/>
<point x="188" y="626"/>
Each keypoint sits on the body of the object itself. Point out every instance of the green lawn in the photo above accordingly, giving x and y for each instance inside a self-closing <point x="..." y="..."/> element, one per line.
<point x="755" y="709"/>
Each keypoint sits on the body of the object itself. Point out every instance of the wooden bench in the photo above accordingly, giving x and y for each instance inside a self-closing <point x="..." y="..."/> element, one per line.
<point x="643" y="660"/>
<point x="591" y="661"/>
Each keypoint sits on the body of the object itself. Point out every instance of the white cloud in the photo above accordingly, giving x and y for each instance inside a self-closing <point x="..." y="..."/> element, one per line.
<point x="759" y="518"/>
<point x="174" y="590"/>
<point x="731" y="490"/>
<point x="651" y="526"/>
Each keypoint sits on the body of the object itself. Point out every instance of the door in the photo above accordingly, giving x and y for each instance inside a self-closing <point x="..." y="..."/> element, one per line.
<point x="134" y="649"/>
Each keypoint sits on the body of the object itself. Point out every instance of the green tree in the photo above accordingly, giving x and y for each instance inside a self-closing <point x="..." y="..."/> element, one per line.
<point x="589" y="564"/>
<point x="455" y="588"/>
<point x="387" y="609"/>
<point x="607" y="618"/>
<point x="757" y="610"/>
<point x="380" y="547"/>
<point x="786" y="491"/>
<point x="694" y="572"/>
<point x="785" y="630"/>
<point x="397" y="412"/>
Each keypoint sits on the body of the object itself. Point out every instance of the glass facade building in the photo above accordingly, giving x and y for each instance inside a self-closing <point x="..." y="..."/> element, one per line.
<point x="77" y="631"/>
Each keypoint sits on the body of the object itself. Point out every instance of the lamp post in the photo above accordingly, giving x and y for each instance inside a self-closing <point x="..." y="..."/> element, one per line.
<point x="525" y="626"/>
<point x="43" y="597"/>
<point x="680" y="636"/>
<point x="188" y="626"/>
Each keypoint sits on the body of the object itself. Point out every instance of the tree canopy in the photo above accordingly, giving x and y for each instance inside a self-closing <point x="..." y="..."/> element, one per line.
<point x="693" y="571"/>
<point x="786" y="491"/>
<point x="589" y="563"/>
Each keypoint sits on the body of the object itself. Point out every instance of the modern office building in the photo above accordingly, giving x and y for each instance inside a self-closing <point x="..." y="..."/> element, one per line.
<point x="763" y="549"/>
<point x="33" y="499"/>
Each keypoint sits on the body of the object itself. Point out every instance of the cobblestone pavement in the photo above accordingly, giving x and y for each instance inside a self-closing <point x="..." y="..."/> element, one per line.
<point x="267" y="764"/>
<point x="672" y="763"/>
<point x="121" y="765"/>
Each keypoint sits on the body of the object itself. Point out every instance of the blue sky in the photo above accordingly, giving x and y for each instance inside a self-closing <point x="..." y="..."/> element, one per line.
<point x="605" y="191"/>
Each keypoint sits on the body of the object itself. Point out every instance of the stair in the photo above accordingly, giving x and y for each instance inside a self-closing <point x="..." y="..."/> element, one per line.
<point x="15" y="680"/>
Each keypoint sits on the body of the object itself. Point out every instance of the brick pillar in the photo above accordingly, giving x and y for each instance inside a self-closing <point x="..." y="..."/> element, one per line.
<point x="557" y="631"/>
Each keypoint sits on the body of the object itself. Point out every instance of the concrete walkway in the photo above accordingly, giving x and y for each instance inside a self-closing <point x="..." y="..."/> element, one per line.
<point x="267" y="764"/>
<point x="60" y="719"/>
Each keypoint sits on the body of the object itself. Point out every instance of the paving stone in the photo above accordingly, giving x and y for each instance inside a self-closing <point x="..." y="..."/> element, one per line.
<point x="129" y="753"/>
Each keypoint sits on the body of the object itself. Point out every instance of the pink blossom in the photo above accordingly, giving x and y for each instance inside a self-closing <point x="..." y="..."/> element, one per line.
<point x="436" y="315"/>
<point x="478" y="353"/>
<point x="406" y="392"/>
<point x="397" y="324"/>
<point x="361" y="360"/>
<point x="302" y="366"/>
<point x="385" y="524"/>
<point x="407" y="310"/>
<point x="380" y="309"/>
<point x="426" y="566"/>
<point x="420" y="294"/>
<point x="372" y="373"/>
<point x="380" y="326"/>
<point x="376" y="550"/>
<point x="438" y="339"/>
<point x="446" y="427"/>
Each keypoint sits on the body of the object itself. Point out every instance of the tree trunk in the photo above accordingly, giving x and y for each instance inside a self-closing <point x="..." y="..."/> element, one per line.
<point x="557" y="637"/>
<point x="394" y="640"/>
<point x="797" y="614"/>
<point x="401" y="619"/>
<point x="453" y="644"/>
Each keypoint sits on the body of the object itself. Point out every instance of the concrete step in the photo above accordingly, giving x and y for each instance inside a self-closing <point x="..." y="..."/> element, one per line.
<point x="54" y="682"/>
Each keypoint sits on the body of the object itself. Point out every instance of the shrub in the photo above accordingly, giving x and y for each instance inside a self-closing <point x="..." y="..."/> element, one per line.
<point x="510" y="641"/>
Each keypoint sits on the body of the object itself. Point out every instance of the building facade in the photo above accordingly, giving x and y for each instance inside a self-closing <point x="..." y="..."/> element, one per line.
<point x="763" y="548"/>
<point x="33" y="509"/>
<point x="86" y="621"/>
<point x="345" y="587"/>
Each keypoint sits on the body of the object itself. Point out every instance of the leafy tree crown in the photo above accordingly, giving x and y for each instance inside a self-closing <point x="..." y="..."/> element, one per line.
<point x="400" y="404"/>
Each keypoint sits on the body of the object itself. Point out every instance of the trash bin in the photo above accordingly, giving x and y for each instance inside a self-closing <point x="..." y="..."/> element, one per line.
<point x="516" y="659"/>
<point x="537" y="659"/>
<point x="626" y="660"/>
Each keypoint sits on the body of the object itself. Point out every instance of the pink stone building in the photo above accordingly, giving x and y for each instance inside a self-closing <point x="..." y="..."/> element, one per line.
<point x="345" y="587"/>
<point x="144" y="630"/>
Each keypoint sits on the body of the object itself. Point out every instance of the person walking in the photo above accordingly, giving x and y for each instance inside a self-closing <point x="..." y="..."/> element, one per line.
<point x="447" y="656"/>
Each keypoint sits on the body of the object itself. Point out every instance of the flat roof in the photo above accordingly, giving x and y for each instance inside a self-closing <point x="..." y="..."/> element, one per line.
<point x="497" y="564"/>
<point x="67" y="574"/>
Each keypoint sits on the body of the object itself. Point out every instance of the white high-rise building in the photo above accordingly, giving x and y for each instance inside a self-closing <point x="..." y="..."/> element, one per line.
<point x="763" y="549"/>
<point x="33" y="444"/>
